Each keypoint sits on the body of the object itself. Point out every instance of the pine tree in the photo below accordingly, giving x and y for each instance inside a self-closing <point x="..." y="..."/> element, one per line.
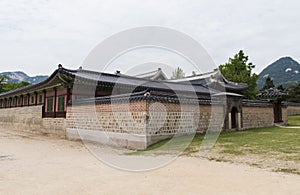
<point x="178" y="73"/>
<point x="268" y="84"/>
<point x="239" y="70"/>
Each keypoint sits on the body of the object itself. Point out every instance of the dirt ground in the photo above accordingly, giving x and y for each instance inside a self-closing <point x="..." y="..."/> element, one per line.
<point x="42" y="165"/>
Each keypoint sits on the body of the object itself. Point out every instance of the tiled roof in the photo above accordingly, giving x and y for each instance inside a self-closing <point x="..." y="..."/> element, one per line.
<point x="145" y="96"/>
<point x="154" y="75"/>
<point x="213" y="79"/>
<point x="272" y="93"/>
<point x="117" y="79"/>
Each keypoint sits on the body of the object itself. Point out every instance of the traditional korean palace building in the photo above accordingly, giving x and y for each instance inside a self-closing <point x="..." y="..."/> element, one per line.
<point x="81" y="100"/>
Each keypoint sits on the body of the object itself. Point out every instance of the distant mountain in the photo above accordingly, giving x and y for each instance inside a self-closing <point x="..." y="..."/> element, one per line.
<point x="285" y="71"/>
<point x="19" y="76"/>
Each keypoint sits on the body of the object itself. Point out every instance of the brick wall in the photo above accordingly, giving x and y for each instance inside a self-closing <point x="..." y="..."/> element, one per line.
<point x="30" y="119"/>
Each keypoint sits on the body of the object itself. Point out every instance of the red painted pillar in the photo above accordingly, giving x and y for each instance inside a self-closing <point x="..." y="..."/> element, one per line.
<point x="55" y="97"/>
<point x="36" y="98"/>
<point x="21" y="100"/>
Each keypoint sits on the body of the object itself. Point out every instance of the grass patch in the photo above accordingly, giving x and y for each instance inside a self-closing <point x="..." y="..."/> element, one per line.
<point x="288" y="170"/>
<point x="187" y="144"/>
<point x="265" y="141"/>
<point x="294" y="120"/>
<point x="274" y="147"/>
<point x="272" y="141"/>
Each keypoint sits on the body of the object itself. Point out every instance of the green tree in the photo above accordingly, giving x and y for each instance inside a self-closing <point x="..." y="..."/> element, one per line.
<point x="12" y="86"/>
<point x="239" y="70"/>
<point x="5" y="85"/>
<point x="268" y="84"/>
<point x="178" y="73"/>
<point x="294" y="93"/>
<point x="3" y="81"/>
<point x="280" y="87"/>
<point x="194" y="73"/>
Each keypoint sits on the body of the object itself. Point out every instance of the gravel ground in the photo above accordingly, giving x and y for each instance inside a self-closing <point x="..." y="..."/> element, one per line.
<point x="33" y="164"/>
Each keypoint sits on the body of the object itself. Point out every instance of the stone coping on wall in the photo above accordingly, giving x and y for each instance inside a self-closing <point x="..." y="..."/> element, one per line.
<point x="257" y="103"/>
<point x="292" y="104"/>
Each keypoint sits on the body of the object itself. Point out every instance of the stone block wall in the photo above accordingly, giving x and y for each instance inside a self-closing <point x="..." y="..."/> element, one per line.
<point x="54" y="127"/>
<point x="257" y="116"/>
<point x="117" y="118"/>
<point x="284" y="115"/>
<point x="118" y="124"/>
<point x="171" y="119"/>
<point x="22" y="118"/>
<point x="29" y="119"/>
<point x="139" y="123"/>
<point x="293" y="110"/>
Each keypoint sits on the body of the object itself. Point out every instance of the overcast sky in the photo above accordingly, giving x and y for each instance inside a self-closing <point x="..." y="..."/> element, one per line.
<point x="36" y="35"/>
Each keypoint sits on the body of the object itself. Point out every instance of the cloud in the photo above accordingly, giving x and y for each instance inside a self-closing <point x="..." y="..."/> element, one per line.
<point x="36" y="35"/>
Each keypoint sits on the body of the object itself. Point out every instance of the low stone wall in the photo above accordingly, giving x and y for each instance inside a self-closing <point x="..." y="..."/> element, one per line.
<point x="293" y="109"/>
<point x="255" y="116"/>
<point x="30" y="119"/>
<point x="22" y="118"/>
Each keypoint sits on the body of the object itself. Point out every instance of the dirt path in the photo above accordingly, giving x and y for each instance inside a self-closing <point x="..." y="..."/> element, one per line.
<point x="42" y="165"/>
